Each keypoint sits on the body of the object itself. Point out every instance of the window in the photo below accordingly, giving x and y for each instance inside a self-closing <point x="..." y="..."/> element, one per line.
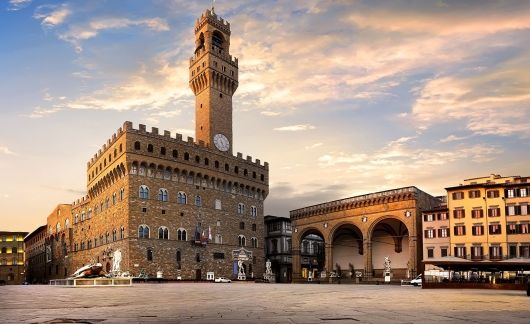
<point x="253" y="227"/>
<point x="218" y="256"/>
<point x="143" y="192"/>
<point x="253" y="211"/>
<point x="458" y="195"/>
<point x="254" y="242"/>
<point x="114" y="235"/>
<point x="162" y="195"/>
<point x="143" y="231"/>
<point x="122" y="193"/>
<point x="227" y="168"/>
<point x="242" y="225"/>
<point x="198" y="257"/>
<point x="14" y="250"/>
<point x="430" y="252"/>
<point x="459" y="230"/>
<point x="494" y="212"/>
<point x="107" y="237"/>
<point x="495" y="229"/>
<point x="178" y="258"/>
<point x="524" y="251"/>
<point x="240" y="208"/>
<point x="523" y="192"/>
<point x="162" y="151"/>
<point x="186" y="156"/>
<point x="512" y="228"/>
<point x="216" y="164"/>
<point x="443" y="232"/>
<point x="460" y="251"/>
<point x="149" y="254"/>
<point x="524" y="228"/>
<point x="181" y="198"/>
<point x="114" y="198"/>
<point x="175" y="154"/>
<point x="241" y="240"/>
<point x="443" y="252"/>
<point x="493" y="194"/>
<point x="477" y="213"/>
<point x="524" y="209"/>
<point x="474" y="194"/>
<point x="495" y="252"/>
<point x="236" y="169"/>
<point x="122" y="233"/>
<point x="477" y="230"/>
<point x="218" y="204"/>
<point x="181" y="234"/>
<point x="142" y="170"/>
<point x="430" y="233"/>
<point x="150" y="148"/>
<point x="136" y="145"/>
<point x="476" y="252"/>
<point x="428" y="218"/>
<point x="197" y="159"/>
<point x="163" y="233"/>
<point x="459" y="213"/>
<point x="198" y="201"/>
<point x="510" y="193"/>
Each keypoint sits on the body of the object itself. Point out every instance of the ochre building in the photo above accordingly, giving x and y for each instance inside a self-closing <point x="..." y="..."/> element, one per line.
<point x="359" y="232"/>
<point x="181" y="208"/>
<point x="12" y="257"/>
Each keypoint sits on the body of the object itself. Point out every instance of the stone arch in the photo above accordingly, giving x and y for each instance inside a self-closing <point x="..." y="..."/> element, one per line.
<point x="347" y="243"/>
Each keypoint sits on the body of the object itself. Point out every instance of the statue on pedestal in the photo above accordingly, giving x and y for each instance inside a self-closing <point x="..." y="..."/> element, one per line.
<point x="241" y="271"/>
<point x="388" y="269"/>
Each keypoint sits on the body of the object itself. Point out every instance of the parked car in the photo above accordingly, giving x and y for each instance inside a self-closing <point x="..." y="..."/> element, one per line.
<point x="222" y="279"/>
<point x="416" y="281"/>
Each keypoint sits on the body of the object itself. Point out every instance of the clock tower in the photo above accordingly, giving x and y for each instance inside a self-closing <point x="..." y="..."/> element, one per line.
<point x="213" y="79"/>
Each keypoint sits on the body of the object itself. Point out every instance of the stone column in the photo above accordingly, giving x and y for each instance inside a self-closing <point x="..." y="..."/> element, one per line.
<point x="328" y="264"/>
<point x="368" y="266"/>
<point x="413" y="255"/>
<point x="296" y="264"/>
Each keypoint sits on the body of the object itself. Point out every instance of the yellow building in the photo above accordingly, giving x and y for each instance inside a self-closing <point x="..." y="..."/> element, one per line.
<point x="489" y="218"/>
<point x="12" y="257"/>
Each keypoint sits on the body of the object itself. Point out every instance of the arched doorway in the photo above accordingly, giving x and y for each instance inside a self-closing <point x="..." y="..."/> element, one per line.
<point x="312" y="254"/>
<point x="390" y="238"/>
<point x="347" y="250"/>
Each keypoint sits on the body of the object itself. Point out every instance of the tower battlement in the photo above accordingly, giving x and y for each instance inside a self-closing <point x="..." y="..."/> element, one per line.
<point x="177" y="139"/>
<point x="200" y="52"/>
<point x="210" y="17"/>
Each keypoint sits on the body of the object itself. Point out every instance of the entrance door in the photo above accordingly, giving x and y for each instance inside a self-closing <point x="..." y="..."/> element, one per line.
<point x="198" y="275"/>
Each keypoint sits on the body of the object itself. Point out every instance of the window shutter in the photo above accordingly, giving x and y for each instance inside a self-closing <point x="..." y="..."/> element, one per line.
<point x="426" y="233"/>
<point x="439" y="232"/>
<point x="455" y="251"/>
<point x="455" y="231"/>
<point x="434" y="233"/>
<point x="498" y="212"/>
<point x="481" y="213"/>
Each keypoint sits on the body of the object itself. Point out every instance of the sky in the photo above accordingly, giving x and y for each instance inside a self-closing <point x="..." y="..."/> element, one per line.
<point x="341" y="97"/>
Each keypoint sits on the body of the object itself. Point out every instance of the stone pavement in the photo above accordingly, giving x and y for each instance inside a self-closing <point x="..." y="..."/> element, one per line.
<point x="259" y="303"/>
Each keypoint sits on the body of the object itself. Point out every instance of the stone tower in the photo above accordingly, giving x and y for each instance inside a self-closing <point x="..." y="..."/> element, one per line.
<point x="213" y="79"/>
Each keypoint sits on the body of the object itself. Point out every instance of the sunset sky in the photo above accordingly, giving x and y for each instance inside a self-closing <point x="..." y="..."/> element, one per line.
<point x="341" y="97"/>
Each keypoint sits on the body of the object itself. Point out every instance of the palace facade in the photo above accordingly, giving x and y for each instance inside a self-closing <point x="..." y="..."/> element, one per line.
<point x="182" y="208"/>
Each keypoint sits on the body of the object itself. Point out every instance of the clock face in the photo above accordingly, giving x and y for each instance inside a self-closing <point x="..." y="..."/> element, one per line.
<point x="221" y="142"/>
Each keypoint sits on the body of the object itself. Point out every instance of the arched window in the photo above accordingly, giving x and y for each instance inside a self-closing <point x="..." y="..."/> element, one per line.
<point x="114" y="235"/>
<point x="253" y="211"/>
<point x="143" y="192"/>
<point x="181" y="197"/>
<point x="217" y="39"/>
<point x="57" y="228"/>
<point x="242" y="225"/>
<point x="150" y="148"/>
<point x="218" y="239"/>
<point x="206" y="161"/>
<point x="162" y="195"/>
<point x="198" y="201"/>
<point x="114" y="198"/>
<point x="227" y="168"/>
<point x="197" y="159"/>
<point x="143" y="231"/>
<point x="175" y="154"/>
<point x="241" y="240"/>
<point x="149" y="254"/>
<point x="216" y="164"/>
<point x="83" y="216"/>
<point x="240" y="208"/>
<point x="142" y="170"/>
<point x="122" y="193"/>
<point x="162" y="151"/>
<point x="163" y="233"/>
<point x="236" y="169"/>
<point x="178" y="259"/>
<point x="186" y="156"/>
<point x="254" y="242"/>
<point x="134" y="168"/>
<point x="181" y="235"/>
<point x="136" y="145"/>
<point x="122" y="233"/>
<point x="254" y="227"/>
<point x="67" y="223"/>
<point x="121" y="148"/>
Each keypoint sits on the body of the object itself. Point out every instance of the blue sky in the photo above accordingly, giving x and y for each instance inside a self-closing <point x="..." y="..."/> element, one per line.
<point x="340" y="97"/>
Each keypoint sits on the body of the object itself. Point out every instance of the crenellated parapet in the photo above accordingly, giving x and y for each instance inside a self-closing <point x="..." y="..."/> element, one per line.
<point x="209" y="17"/>
<point x="81" y="201"/>
<point x="110" y="142"/>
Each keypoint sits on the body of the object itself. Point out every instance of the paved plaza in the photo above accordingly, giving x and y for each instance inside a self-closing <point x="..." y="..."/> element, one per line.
<point x="260" y="303"/>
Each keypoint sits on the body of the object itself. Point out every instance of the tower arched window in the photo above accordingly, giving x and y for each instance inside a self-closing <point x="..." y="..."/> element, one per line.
<point x="150" y="148"/>
<point x="240" y="208"/>
<point x="122" y="233"/>
<point x="181" y="235"/>
<point x="134" y="168"/>
<point x="149" y="254"/>
<point x="186" y="156"/>
<point x="162" y="151"/>
<point x="136" y="145"/>
<point x="163" y="195"/>
<point x="114" y="235"/>
<point x="217" y="39"/>
<point x="254" y="242"/>
<point x="114" y="199"/>
<point x="143" y="192"/>
<point x="241" y="240"/>
<point x="253" y="211"/>
<point x="122" y="193"/>
<point x="163" y="233"/>
<point x="175" y="154"/>
<point x="241" y="225"/>
<point x="181" y="198"/>
<point x="198" y="201"/>
<point x="143" y="231"/>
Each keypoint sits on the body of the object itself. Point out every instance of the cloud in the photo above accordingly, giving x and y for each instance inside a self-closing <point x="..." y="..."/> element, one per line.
<point x="295" y="128"/>
<point x="78" y="33"/>
<point x="313" y="146"/>
<point x="15" y="5"/>
<point x="52" y="16"/>
<point x="453" y="138"/>
<point x="5" y="150"/>
<point x="40" y="112"/>
<point x="493" y="102"/>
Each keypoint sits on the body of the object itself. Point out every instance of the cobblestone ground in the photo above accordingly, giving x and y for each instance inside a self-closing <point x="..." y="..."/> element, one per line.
<point x="259" y="303"/>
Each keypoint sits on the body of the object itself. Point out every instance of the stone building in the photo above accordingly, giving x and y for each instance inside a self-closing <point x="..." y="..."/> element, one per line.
<point x="12" y="257"/>
<point x="35" y="244"/>
<point x="181" y="207"/>
<point x="359" y="232"/>
<point x="278" y="243"/>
